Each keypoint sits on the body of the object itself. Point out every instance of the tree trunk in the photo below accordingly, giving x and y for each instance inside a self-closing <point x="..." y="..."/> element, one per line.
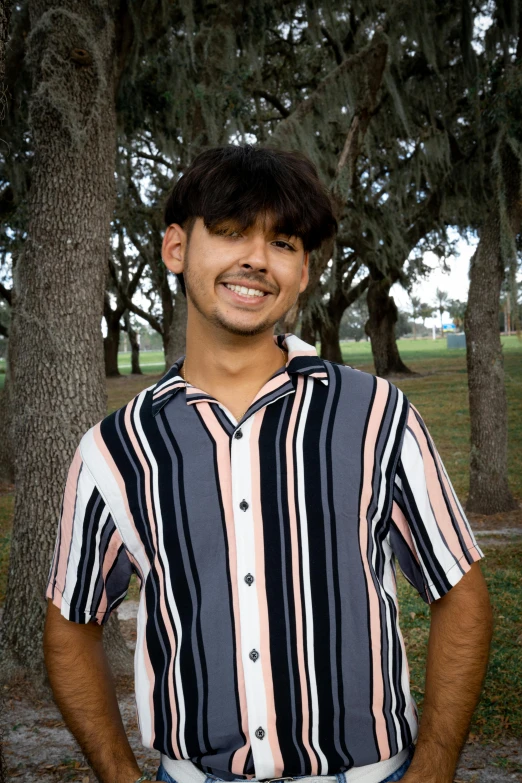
<point x="380" y="327"/>
<point x="308" y="328"/>
<point x="6" y="438"/>
<point x="135" y="346"/>
<point x="56" y="343"/>
<point x="489" y="492"/>
<point x="6" y="457"/>
<point x="330" y="347"/>
<point x="111" y="344"/>
<point x="177" y="343"/>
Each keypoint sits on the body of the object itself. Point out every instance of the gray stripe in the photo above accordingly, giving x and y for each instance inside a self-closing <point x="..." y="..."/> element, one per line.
<point x="188" y="574"/>
<point x="354" y="399"/>
<point x="202" y="497"/>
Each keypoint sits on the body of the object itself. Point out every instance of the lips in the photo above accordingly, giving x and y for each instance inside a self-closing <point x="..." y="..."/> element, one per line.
<point x="244" y="294"/>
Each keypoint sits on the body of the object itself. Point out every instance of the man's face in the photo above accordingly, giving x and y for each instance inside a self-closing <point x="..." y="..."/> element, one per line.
<point x="243" y="282"/>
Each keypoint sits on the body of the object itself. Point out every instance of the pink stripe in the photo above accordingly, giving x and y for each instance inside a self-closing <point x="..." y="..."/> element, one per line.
<point x="438" y="504"/>
<point x="67" y="520"/>
<point x="225" y="484"/>
<point x="261" y="593"/>
<point x="108" y="561"/>
<point x="168" y="388"/>
<point x="295" y="573"/>
<point x="400" y="520"/>
<point x="271" y="385"/>
<point x="462" y="523"/>
<point x="376" y="415"/>
<point x="107" y="456"/>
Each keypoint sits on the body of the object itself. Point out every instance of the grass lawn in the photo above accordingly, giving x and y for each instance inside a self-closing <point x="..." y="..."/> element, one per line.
<point x="440" y="394"/>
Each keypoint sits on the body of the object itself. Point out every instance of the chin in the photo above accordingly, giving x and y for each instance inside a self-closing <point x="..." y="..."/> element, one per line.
<point x="244" y="329"/>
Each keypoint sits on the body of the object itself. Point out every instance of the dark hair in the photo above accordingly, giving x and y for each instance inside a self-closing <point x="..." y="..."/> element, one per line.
<point x="240" y="183"/>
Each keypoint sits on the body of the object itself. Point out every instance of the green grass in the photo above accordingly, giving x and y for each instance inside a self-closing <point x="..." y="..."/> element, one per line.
<point x="500" y="708"/>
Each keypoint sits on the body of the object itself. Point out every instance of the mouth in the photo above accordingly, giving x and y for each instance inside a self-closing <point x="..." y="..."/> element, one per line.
<point x="245" y="294"/>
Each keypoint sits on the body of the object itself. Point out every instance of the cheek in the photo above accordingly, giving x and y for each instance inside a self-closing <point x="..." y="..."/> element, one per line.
<point x="289" y="280"/>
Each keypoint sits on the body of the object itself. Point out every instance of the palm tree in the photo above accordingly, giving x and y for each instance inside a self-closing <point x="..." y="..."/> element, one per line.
<point x="415" y="312"/>
<point x="442" y="299"/>
<point x="425" y="311"/>
<point x="456" y="309"/>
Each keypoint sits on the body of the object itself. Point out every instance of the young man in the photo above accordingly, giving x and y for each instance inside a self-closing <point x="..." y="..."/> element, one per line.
<point x="261" y="495"/>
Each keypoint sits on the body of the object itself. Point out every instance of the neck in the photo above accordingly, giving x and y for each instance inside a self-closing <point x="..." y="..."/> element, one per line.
<point x="216" y="359"/>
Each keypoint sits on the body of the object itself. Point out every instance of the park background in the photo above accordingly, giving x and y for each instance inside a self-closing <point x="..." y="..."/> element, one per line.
<point x="412" y="113"/>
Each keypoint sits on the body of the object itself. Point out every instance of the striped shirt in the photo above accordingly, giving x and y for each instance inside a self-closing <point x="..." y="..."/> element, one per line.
<point x="268" y="641"/>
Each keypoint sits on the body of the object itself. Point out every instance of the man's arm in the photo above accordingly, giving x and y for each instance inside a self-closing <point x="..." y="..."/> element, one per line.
<point x="458" y="650"/>
<point x="84" y="690"/>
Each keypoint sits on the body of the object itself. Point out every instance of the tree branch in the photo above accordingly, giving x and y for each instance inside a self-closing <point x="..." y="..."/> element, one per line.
<point x="6" y="293"/>
<point x="273" y="100"/>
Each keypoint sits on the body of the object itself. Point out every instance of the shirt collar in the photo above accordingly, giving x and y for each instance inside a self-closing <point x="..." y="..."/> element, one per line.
<point x="302" y="360"/>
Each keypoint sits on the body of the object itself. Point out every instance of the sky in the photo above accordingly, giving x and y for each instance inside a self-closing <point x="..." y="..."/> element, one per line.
<point x="455" y="282"/>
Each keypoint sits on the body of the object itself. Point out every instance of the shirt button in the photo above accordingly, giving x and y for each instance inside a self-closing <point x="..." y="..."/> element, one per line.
<point x="260" y="733"/>
<point x="249" y="579"/>
<point x="243" y="505"/>
<point x="253" y="655"/>
<point x="238" y="435"/>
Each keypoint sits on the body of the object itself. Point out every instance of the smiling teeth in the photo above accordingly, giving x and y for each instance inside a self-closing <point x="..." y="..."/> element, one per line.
<point x="241" y="289"/>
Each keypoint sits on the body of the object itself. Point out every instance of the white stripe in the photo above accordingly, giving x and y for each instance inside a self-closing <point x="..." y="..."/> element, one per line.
<point x="390" y="586"/>
<point x="392" y="435"/>
<point x="84" y="490"/>
<point x="96" y="571"/>
<point x="110" y="491"/>
<point x="249" y="623"/>
<point x="303" y="525"/>
<point x="143" y="686"/>
<point x="454" y="495"/>
<point x="413" y="465"/>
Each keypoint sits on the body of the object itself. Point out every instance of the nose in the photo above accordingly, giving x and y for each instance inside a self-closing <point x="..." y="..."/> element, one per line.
<point x="255" y="257"/>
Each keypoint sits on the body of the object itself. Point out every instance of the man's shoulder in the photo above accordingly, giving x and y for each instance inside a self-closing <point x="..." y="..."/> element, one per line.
<point x="108" y="432"/>
<point x="361" y="380"/>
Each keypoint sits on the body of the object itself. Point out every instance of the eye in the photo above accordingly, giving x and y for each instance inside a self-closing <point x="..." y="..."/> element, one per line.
<point x="226" y="232"/>
<point x="286" y="244"/>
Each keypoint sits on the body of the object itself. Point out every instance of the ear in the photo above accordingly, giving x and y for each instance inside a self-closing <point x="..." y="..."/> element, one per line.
<point x="173" y="248"/>
<point x="304" y="272"/>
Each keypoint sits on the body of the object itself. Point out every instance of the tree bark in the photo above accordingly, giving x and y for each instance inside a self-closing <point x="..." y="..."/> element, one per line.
<point x="6" y="461"/>
<point x="330" y="345"/>
<point x="134" y="344"/>
<point x="56" y="351"/>
<point x="380" y="327"/>
<point x="177" y="342"/>
<point x="308" y="327"/>
<point x="6" y="435"/>
<point x="489" y="492"/>
<point x="111" y="342"/>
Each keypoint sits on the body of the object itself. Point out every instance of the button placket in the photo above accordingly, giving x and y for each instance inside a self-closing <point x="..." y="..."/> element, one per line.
<point x="241" y="475"/>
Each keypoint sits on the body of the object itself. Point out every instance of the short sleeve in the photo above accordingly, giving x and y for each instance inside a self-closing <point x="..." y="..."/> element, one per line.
<point x="90" y="570"/>
<point x="429" y="534"/>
